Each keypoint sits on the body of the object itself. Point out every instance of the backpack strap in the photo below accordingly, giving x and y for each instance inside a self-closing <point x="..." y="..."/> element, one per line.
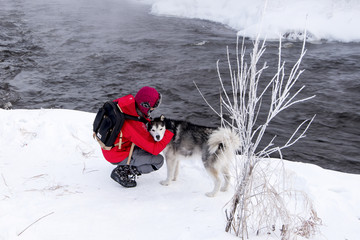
<point x="131" y="117"/>
<point x="120" y="141"/>
<point x="120" y="138"/>
<point x="130" y="153"/>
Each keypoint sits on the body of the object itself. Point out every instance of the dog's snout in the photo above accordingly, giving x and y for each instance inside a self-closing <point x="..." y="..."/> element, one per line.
<point x="157" y="137"/>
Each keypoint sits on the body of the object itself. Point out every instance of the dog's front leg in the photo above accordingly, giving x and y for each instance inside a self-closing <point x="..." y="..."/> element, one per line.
<point x="170" y="166"/>
<point x="176" y="173"/>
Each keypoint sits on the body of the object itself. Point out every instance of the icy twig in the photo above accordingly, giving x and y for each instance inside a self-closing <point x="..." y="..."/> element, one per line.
<point x="34" y="223"/>
<point x="2" y="175"/>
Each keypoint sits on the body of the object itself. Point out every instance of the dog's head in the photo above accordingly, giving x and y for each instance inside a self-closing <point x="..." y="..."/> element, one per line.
<point x="157" y="128"/>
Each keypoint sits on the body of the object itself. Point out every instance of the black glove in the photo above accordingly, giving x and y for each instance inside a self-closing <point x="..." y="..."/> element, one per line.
<point x="169" y="125"/>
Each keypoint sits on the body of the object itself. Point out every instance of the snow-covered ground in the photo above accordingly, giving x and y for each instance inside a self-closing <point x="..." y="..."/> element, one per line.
<point x="55" y="184"/>
<point x="335" y="20"/>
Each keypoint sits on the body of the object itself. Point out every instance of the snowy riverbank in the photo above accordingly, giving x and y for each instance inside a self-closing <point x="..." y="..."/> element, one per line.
<point x="334" y="20"/>
<point x="53" y="171"/>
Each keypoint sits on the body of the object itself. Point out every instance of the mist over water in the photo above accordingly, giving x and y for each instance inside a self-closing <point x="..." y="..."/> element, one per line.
<point x="78" y="54"/>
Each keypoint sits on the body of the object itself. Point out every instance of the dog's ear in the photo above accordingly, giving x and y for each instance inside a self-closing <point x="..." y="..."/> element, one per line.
<point x="162" y="118"/>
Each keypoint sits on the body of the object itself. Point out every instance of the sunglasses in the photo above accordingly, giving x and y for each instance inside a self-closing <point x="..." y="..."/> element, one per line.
<point x="148" y="106"/>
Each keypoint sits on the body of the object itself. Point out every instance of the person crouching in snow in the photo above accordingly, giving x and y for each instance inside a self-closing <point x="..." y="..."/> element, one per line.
<point x="145" y="157"/>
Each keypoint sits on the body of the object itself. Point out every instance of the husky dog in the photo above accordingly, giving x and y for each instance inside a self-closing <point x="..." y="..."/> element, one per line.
<point x="217" y="147"/>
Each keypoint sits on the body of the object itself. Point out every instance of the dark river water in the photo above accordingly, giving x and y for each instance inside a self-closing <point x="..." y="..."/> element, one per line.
<point x="78" y="54"/>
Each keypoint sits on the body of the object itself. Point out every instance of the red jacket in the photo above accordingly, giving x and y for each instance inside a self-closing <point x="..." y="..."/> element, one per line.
<point x="134" y="132"/>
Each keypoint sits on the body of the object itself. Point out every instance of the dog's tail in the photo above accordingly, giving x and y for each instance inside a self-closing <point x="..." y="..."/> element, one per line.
<point x="223" y="139"/>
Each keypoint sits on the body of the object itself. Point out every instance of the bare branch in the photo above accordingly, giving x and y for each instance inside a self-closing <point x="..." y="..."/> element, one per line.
<point x="35" y="222"/>
<point x="256" y="198"/>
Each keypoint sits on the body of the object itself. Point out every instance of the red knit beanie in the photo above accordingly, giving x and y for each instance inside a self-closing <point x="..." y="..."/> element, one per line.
<point x="146" y="98"/>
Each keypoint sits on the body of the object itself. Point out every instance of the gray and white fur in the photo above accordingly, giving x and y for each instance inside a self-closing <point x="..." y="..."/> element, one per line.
<point x="217" y="147"/>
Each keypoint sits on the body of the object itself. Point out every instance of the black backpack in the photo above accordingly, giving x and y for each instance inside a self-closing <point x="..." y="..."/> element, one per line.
<point x="108" y="123"/>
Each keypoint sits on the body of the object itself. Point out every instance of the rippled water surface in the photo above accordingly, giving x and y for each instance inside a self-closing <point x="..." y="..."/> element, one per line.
<point x="78" y="54"/>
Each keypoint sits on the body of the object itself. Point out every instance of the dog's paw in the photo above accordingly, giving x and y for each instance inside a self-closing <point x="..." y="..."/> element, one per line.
<point x="165" y="183"/>
<point x="210" y="194"/>
<point x="224" y="188"/>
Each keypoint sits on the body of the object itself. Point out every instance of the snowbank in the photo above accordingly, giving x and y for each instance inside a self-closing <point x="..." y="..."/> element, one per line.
<point x="335" y="20"/>
<point x="55" y="184"/>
